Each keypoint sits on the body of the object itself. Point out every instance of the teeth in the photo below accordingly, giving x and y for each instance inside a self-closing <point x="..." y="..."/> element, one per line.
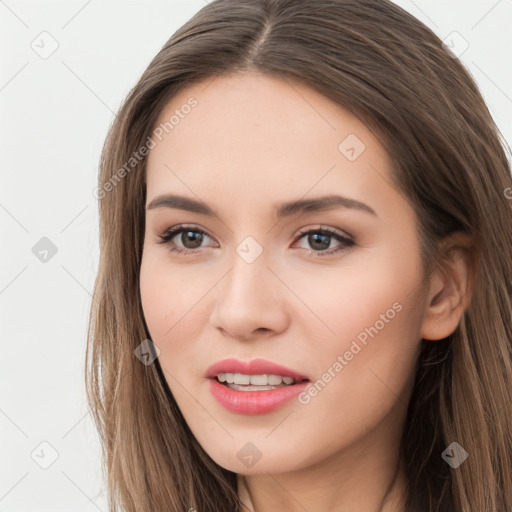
<point x="226" y="377"/>
<point x="274" y="380"/>
<point x="241" y="379"/>
<point x="252" y="388"/>
<point x="256" y="380"/>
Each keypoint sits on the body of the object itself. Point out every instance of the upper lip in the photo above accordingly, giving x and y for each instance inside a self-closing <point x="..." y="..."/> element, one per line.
<point x="254" y="367"/>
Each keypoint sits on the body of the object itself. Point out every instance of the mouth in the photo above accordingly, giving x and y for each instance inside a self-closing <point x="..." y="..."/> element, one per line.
<point x="254" y="387"/>
<point x="258" y="372"/>
<point x="262" y="382"/>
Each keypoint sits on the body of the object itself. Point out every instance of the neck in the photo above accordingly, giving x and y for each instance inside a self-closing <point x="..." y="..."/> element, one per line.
<point x="363" y="476"/>
<point x="271" y="492"/>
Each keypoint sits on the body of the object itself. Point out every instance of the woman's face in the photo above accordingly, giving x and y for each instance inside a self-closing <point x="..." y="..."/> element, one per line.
<point x="342" y="308"/>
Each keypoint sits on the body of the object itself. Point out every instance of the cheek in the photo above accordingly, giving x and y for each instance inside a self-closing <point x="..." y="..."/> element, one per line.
<point x="366" y="290"/>
<point x="365" y="358"/>
<point x="166" y="293"/>
<point x="160" y="302"/>
<point x="155" y="296"/>
<point x="174" y="303"/>
<point x="364" y="374"/>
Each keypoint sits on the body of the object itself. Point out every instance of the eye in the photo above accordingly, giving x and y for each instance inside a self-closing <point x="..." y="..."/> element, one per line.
<point x="191" y="238"/>
<point x="320" y="240"/>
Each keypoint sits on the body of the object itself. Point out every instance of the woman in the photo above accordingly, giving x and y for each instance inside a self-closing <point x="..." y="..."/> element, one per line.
<point x="234" y="363"/>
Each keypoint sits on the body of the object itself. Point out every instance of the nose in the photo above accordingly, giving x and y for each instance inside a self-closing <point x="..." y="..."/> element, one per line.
<point x="250" y="302"/>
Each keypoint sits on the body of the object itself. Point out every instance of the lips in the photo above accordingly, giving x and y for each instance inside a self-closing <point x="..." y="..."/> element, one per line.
<point x="254" y="367"/>
<point x="254" y="402"/>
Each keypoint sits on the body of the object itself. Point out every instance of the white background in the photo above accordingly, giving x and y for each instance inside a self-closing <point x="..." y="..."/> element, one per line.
<point x="54" y="116"/>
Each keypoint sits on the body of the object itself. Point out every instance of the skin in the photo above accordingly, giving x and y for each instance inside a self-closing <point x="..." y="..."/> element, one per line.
<point x="253" y="141"/>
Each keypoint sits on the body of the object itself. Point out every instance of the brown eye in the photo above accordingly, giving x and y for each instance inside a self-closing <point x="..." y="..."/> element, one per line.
<point x="320" y="239"/>
<point x="190" y="238"/>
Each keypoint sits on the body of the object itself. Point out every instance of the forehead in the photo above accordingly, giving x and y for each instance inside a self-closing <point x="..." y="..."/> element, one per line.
<point x="251" y="136"/>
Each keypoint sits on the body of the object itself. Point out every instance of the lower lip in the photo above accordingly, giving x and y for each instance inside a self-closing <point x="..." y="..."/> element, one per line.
<point x="254" y="402"/>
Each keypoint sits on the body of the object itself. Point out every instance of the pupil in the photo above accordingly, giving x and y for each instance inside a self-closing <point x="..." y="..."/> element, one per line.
<point x="191" y="235"/>
<point x="312" y="239"/>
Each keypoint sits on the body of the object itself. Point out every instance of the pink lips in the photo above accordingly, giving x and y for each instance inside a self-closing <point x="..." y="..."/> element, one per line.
<point x="254" y="402"/>
<point x="254" y="367"/>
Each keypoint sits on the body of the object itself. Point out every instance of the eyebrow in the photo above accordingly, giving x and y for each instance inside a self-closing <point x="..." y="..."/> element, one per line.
<point x="287" y="209"/>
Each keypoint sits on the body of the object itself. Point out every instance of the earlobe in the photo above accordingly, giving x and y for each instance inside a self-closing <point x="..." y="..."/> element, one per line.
<point x="450" y="290"/>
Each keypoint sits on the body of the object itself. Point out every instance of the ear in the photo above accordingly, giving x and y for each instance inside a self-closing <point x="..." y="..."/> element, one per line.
<point x="450" y="288"/>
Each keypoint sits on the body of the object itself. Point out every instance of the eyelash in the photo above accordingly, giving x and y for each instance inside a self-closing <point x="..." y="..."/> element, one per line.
<point x="172" y="232"/>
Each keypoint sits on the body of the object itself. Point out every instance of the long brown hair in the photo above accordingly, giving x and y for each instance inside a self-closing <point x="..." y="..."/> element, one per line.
<point x="394" y="74"/>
